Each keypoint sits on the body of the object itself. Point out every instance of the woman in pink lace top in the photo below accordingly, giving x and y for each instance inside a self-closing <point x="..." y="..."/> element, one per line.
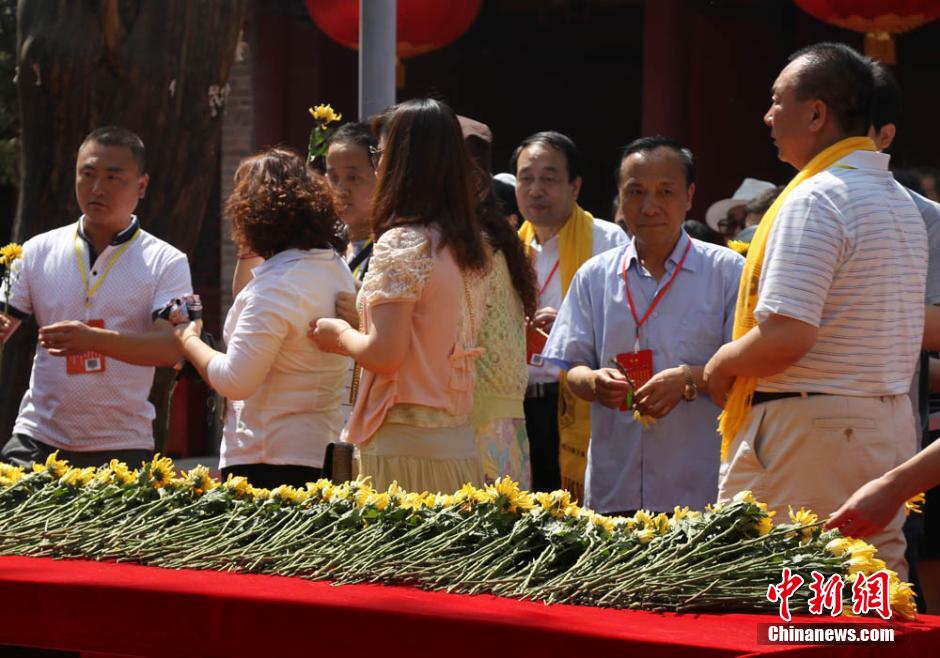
<point x="421" y="306"/>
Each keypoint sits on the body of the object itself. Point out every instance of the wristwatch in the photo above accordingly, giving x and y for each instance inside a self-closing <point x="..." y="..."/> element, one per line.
<point x="690" y="392"/>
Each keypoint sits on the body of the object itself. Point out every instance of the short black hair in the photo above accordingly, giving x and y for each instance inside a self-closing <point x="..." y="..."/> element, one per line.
<point x="119" y="136"/>
<point x="841" y="78"/>
<point x="887" y="103"/>
<point x="353" y="132"/>
<point x="647" y="144"/>
<point x="557" y="141"/>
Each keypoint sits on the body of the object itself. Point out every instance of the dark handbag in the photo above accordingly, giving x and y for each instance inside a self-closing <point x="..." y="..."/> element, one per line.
<point x="338" y="462"/>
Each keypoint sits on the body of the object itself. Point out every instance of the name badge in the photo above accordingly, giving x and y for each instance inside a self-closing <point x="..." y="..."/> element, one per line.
<point x="86" y="363"/>
<point x="535" y="340"/>
<point x="639" y="368"/>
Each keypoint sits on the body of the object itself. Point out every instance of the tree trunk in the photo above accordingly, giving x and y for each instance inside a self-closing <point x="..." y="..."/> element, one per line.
<point x="159" y="68"/>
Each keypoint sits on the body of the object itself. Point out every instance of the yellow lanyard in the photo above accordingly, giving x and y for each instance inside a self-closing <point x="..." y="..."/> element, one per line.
<point x="90" y="292"/>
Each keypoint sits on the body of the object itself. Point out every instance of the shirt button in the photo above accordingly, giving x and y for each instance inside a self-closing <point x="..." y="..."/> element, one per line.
<point x="655" y="314"/>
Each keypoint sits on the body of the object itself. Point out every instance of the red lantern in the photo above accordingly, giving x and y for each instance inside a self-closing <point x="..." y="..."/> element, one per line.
<point x="877" y="19"/>
<point x="422" y="25"/>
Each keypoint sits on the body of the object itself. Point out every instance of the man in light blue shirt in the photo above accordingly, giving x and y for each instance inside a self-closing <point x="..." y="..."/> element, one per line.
<point x="666" y="293"/>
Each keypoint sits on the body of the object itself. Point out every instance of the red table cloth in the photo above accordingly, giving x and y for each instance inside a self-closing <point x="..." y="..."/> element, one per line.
<point x="146" y="611"/>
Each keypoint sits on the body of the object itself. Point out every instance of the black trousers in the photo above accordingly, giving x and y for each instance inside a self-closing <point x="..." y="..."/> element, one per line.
<point x="541" y="424"/>
<point x="274" y="475"/>
<point x="22" y="450"/>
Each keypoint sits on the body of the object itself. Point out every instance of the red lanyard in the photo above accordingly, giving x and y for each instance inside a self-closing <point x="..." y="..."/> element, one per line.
<point x="548" y="280"/>
<point x="639" y="322"/>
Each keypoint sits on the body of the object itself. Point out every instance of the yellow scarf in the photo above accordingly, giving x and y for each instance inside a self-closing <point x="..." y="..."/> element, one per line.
<point x="738" y="404"/>
<point x="575" y="245"/>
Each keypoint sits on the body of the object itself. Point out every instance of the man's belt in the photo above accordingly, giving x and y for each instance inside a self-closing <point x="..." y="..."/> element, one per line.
<point x="540" y="390"/>
<point x="760" y="397"/>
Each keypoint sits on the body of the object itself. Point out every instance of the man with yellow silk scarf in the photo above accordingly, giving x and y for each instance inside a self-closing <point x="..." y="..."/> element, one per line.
<point x="559" y="236"/>
<point x="830" y="312"/>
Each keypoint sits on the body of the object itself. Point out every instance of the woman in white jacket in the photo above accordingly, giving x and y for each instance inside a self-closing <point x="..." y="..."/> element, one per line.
<point x="284" y="393"/>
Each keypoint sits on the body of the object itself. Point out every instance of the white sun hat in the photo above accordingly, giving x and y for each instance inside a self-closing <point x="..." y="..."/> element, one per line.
<point x="749" y="188"/>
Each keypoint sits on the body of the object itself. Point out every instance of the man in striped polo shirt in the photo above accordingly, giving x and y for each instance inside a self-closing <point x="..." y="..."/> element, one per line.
<point x="839" y="311"/>
<point x="94" y="287"/>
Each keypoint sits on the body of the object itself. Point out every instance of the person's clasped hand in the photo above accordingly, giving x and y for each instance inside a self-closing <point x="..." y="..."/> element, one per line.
<point x="68" y="337"/>
<point x="658" y="396"/>
<point x="544" y="319"/>
<point x="346" y="308"/>
<point x="325" y="332"/>
<point x="186" y="330"/>
<point x="610" y="387"/>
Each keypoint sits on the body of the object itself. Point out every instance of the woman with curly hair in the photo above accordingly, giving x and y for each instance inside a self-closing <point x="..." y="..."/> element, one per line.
<point x="422" y="305"/>
<point x="284" y="393"/>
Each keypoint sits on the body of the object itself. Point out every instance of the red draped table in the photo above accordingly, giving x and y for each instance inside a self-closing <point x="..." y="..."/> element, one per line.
<point x="145" y="611"/>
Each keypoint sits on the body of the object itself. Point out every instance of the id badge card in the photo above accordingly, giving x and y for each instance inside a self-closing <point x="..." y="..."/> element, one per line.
<point x="86" y="363"/>
<point x="535" y="341"/>
<point x="639" y="368"/>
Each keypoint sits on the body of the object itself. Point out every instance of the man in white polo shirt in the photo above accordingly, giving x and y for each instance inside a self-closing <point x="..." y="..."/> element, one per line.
<point x="823" y="365"/>
<point x="558" y="236"/>
<point x="94" y="287"/>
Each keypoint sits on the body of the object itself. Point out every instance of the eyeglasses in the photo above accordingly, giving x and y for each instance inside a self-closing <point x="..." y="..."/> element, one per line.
<point x="375" y="154"/>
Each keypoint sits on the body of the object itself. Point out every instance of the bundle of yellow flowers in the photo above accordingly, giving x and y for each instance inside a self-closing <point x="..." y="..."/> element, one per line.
<point x="497" y="539"/>
<point x="9" y="255"/>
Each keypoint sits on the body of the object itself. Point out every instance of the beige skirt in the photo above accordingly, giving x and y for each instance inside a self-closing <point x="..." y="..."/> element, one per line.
<point x="435" y="459"/>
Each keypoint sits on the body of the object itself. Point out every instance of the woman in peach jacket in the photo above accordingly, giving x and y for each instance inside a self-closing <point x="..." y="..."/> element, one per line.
<point x="421" y="304"/>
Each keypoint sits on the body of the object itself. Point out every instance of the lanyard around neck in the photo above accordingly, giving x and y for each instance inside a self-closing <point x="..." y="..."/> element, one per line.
<point x="638" y="321"/>
<point x="90" y="292"/>
<point x="548" y="280"/>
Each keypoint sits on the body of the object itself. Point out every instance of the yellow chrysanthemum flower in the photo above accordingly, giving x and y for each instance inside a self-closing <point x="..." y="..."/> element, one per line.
<point x="78" y="477"/>
<point x="411" y="501"/>
<point x="324" y="113"/>
<point x="122" y="473"/>
<point x="104" y="476"/>
<point x="161" y="471"/>
<point x="839" y="546"/>
<point x="605" y="522"/>
<point x="362" y="494"/>
<point x="394" y="491"/>
<point x="912" y="504"/>
<point x="739" y="246"/>
<point x="200" y="480"/>
<point x="340" y="492"/>
<point x="258" y="493"/>
<point x="469" y="494"/>
<point x="10" y="253"/>
<point x="517" y="500"/>
<point x="289" y="494"/>
<point x="646" y="421"/>
<point x="646" y="535"/>
<point x="56" y="467"/>
<point x="804" y="517"/>
<point x="10" y="475"/>
<point x="379" y="501"/>
<point x="764" y="526"/>
<point x="902" y="598"/>
<point x="237" y="484"/>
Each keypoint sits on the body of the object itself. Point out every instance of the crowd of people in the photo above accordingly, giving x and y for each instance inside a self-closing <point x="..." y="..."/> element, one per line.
<point x="458" y="327"/>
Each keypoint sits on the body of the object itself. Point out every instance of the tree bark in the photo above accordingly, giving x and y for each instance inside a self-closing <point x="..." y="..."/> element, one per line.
<point x="159" y="68"/>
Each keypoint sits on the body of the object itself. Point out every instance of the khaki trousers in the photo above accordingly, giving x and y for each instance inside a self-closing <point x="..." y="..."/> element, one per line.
<point x="816" y="451"/>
